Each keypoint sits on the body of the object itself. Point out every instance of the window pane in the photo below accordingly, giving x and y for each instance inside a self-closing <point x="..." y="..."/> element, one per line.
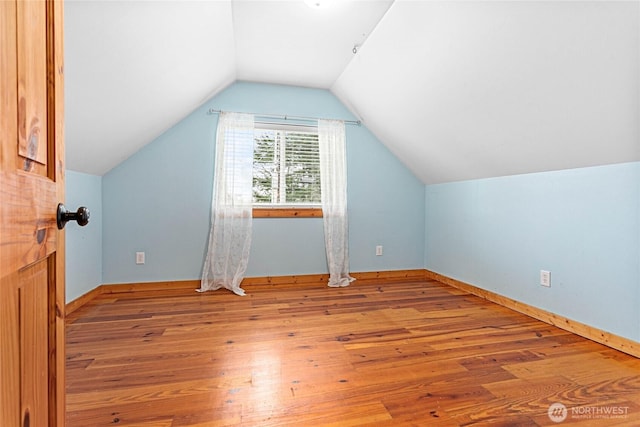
<point x="303" y="168"/>
<point x="286" y="167"/>
<point x="264" y="168"/>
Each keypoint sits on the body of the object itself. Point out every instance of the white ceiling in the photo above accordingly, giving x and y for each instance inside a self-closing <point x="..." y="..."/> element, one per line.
<point x="457" y="90"/>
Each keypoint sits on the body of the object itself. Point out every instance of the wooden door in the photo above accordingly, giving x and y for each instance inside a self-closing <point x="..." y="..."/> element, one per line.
<point x="31" y="185"/>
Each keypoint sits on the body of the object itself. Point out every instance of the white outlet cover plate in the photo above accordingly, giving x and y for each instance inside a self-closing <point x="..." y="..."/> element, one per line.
<point x="545" y="278"/>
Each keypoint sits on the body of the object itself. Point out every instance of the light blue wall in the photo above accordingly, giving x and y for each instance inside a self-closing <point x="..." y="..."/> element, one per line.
<point x="159" y="200"/>
<point x="583" y="225"/>
<point x="83" y="255"/>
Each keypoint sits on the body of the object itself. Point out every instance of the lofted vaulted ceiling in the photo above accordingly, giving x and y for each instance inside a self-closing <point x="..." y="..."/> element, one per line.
<point x="456" y="90"/>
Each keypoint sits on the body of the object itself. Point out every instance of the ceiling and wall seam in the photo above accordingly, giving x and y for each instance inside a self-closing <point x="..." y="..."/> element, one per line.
<point x="360" y="46"/>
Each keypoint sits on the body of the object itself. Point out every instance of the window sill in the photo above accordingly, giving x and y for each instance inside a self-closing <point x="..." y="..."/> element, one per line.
<point x="287" y="212"/>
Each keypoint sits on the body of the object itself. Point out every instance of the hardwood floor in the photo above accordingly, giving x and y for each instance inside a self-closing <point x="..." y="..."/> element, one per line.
<point x="415" y="354"/>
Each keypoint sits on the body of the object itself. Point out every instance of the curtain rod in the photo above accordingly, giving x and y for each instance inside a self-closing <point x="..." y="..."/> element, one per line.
<point x="288" y="117"/>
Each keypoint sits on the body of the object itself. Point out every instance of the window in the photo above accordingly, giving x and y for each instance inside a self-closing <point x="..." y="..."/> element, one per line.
<point x="286" y="171"/>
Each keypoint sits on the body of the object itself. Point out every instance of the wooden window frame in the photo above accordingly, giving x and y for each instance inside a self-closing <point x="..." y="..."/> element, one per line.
<point x="286" y="212"/>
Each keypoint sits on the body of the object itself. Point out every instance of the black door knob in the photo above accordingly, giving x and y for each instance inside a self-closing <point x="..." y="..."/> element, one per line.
<point x="81" y="216"/>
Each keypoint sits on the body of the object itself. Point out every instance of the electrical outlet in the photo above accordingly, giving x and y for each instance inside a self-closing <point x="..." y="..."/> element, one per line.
<point x="139" y="257"/>
<point x="545" y="278"/>
<point x="379" y="250"/>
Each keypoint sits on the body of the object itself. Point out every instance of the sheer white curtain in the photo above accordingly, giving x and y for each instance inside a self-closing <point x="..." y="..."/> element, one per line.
<point x="231" y="213"/>
<point x="333" y="179"/>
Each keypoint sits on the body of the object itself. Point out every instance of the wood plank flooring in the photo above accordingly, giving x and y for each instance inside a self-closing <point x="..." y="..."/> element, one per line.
<point x="414" y="354"/>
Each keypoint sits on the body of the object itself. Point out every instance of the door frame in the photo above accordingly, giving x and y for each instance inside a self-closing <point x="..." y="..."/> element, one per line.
<point x="55" y="124"/>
